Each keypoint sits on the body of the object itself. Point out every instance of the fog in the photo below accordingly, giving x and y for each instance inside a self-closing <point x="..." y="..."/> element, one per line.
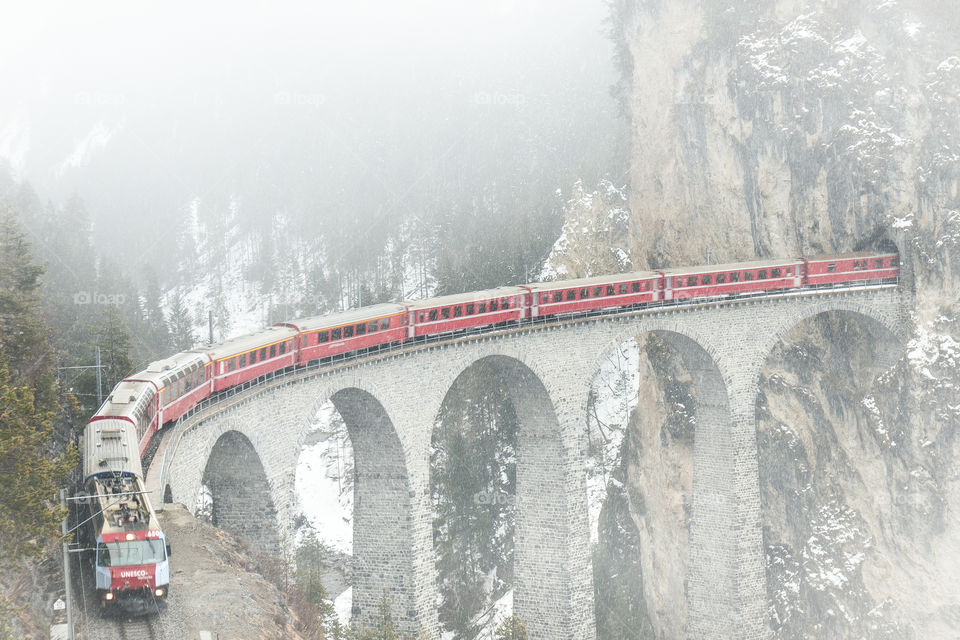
<point x="369" y="113"/>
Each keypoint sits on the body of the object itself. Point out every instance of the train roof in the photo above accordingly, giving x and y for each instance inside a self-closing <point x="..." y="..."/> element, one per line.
<point x="733" y="266"/>
<point x="248" y="342"/>
<point x="474" y="296"/>
<point x="345" y="317"/>
<point x="110" y="446"/>
<point x="161" y="371"/>
<point x="594" y="280"/>
<point x="127" y="395"/>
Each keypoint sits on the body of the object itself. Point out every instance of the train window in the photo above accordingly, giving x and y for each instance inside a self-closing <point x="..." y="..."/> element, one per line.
<point x="253" y="354"/>
<point x="263" y="354"/>
<point x="243" y="361"/>
<point x="231" y="365"/>
<point x="433" y="315"/>
<point x="347" y="333"/>
<point x="831" y="267"/>
<point x="445" y="313"/>
<point x="584" y="294"/>
<point x="361" y="328"/>
<point x="597" y="292"/>
<point x="494" y="305"/>
<point x="878" y="264"/>
<point x="384" y="323"/>
<point x="283" y="348"/>
<point x="706" y="279"/>
<point x="623" y="288"/>
<point x="558" y="296"/>
<point x="692" y="281"/>
<point x="482" y="307"/>
<point x="635" y="287"/>
<point x="372" y="325"/>
<point x="761" y="274"/>
<point x="775" y="273"/>
<point x="323" y="336"/>
<point x="544" y="298"/>
<point x="336" y="334"/>
<point x="721" y="278"/>
<point x="571" y="294"/>
<point x="457" y="311"/>
<point x="609" y="289"/>
<point x="471" y="309"/>
<point x="735" y="276"/>
<point x="748" y="275"/>
<point x="273" y="351"/>
<point x="648" y="285"/>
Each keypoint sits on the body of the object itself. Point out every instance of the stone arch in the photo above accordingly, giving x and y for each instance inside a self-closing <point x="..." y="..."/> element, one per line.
<point x="242" y="500"/>
<point x="709" y="588"/>
<point x="547" y="592"/>
<point x="383" y="556"/>
<point x="889" y="334"/>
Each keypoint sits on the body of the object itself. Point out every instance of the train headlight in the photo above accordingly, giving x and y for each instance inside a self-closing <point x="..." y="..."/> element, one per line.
<point x="131" y="536"/>
<point x="158" y="592"/>
<point x="108" y="595"/>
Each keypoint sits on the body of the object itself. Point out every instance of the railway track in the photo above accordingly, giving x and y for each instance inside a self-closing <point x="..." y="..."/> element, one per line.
<point x="138" y="629"/>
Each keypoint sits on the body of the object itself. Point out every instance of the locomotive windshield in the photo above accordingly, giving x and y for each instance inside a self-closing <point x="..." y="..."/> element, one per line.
<point x="123" y="554"/>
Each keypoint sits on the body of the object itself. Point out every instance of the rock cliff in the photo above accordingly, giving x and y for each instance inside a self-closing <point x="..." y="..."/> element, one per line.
<point x="784" y="128"/>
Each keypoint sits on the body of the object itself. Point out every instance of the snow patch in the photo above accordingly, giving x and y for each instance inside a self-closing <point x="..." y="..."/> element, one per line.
<point x="324" y="480"/>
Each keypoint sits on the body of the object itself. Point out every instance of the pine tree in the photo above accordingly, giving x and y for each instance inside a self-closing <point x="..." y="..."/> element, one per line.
<point x="157" y="333"/>
<point x="23" y="338"/>
<point x="29" y="478"/>
<point x="29" y="473"/>
<point x="181" y="328"/>
<point x="512" y="628"/>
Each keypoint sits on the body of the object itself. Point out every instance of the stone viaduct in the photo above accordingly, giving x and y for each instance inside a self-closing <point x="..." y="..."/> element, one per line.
<point x="250" y="444"/>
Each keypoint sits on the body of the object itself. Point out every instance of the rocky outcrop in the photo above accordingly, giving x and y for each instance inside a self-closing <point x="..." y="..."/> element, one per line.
<point x="803" y="127"/>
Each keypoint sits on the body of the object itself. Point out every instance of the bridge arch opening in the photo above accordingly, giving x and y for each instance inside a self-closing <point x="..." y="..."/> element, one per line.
<point x="324" y="486"/>
<point x="473" y="489"/>
<point x="524" y="461"/>
<point x="352" y="465"/>
<point x="829" y="446"/>
<point x="240" y="500"/>
<point x="663" y="490"/>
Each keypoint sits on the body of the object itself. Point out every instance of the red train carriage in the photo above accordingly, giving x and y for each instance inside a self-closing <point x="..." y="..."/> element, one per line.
<point x="135" y="401"/>
<point x="241" y="359"/>
<point x="330" y="335"/>
<point x="852" y="268"/>
<point x="732" y="279"/>
<point x="574" y="296"/>
<point x="180" y="382"/>
<point x="465" y="311"/>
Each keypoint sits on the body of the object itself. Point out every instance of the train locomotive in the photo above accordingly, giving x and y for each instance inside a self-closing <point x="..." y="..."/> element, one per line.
<point x="132" y="563"/>
<point x="130" y="553"/>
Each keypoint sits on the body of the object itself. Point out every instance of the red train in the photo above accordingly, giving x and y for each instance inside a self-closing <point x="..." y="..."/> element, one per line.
<point x="171" y="387"/>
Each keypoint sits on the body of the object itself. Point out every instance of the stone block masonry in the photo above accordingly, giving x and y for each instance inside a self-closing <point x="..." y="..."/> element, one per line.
<point x="247" y="453"/>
